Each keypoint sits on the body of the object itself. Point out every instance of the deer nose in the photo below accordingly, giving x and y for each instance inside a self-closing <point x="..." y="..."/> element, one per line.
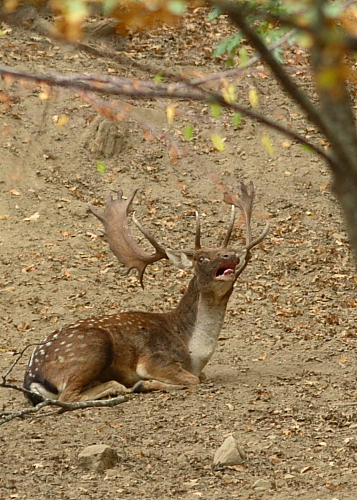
<point x="228" y="256"/>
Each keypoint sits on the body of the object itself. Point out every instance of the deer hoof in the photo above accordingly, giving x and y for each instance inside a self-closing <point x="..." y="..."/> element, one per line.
<point x="138" y="387"/>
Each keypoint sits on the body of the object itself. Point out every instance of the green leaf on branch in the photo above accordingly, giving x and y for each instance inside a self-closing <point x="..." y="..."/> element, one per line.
<point x="158" y="78"/>
<point x="328" y="78"/>
<point x="177" y="7"/>
<point x="108" y="6"/>
<point x="215" y="109"/>
<point x="237" y="119"/>
<point x="218" y="142"/>
<point x="333" y="10"/>
<point x="228" y="46"/>
<point x="188" y="132"/>
<point x="229" y="94"/>
<point x="253" y="97"/>
<point x="216" y="12"/>
<point x="101" y="167"/>
<point x="307" y="148"/>
<point x="75" y="11"/>
<point x="243" y="57"/>
<point x="268" y="144"/>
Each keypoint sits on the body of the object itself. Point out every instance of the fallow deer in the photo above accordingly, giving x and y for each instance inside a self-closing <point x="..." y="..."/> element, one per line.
<point x="144" y="351"/>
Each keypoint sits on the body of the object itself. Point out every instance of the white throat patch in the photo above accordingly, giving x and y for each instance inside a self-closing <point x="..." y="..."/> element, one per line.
<point x="205" y="335"/>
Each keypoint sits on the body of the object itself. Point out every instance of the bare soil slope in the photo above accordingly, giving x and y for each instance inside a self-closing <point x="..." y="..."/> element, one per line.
<point x="283" y="379"/>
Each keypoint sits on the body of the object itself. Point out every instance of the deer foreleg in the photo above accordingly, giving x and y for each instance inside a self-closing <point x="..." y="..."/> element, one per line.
<point x="111" y="388"/>
<point x="163" y="378"/>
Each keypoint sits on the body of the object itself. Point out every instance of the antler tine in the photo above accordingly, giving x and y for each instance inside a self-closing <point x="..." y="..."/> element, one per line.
<point x="230" y="228"/>
<point x="245" y="203"/>
<point x="198" y="232"/>
<point x="159" y="248"/>
<point x="120" y="239"/>
<point x="260" y="237"/>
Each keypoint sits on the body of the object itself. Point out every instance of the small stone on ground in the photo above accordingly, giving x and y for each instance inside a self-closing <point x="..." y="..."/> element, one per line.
<point x="98" y="457"/>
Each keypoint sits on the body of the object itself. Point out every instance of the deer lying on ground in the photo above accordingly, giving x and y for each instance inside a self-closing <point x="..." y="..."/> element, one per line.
<point x="144" y="351"/>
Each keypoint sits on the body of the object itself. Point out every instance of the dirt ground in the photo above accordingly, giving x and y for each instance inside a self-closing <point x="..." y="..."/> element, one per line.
<point x="283" y="379"/>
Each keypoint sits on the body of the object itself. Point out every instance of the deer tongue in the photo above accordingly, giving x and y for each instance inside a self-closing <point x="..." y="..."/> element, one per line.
<point x="228" y="271"/>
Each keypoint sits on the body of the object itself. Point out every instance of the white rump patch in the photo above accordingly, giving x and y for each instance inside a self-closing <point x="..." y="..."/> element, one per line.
<point x="39" y="389"/>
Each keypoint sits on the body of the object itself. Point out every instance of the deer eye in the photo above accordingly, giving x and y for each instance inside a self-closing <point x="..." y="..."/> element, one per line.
<point x="202" y="259"/>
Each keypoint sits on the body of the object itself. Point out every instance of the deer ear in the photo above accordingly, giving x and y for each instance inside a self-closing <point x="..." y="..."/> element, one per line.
<point x="179" y="259"/>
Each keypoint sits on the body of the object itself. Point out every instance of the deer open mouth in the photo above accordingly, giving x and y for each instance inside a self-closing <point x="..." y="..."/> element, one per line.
<point x="226" y="271"/>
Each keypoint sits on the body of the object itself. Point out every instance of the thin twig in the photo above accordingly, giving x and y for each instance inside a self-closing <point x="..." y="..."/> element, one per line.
<point x="108" y="403"/>
<point x="346" y="404"/>
<point x="253" y="60"/>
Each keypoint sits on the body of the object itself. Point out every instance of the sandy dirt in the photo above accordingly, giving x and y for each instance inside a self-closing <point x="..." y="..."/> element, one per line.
<point x="283" y="378"/>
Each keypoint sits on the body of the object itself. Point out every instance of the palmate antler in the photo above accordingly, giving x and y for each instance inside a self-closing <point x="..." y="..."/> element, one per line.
<point x="120" y="239"/>
<point x="245" y="203"/>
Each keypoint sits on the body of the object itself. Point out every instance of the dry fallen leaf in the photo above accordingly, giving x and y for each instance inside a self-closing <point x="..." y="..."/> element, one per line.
<point x="67" y="273"/>
<point x="343" y="359"/>
<point x="306" y="469"/>
<point x="32" y="217"/>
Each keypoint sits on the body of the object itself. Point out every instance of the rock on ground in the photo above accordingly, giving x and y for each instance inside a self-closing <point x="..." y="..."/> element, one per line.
<point x="98" y="457"/>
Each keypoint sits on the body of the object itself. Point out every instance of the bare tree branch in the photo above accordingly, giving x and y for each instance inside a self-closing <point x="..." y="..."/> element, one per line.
<point x="149" y="90"/>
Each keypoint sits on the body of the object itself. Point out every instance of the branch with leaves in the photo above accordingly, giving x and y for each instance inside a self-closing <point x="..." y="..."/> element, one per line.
<point x="333" y="114"/>
<point x="144" y="89"/>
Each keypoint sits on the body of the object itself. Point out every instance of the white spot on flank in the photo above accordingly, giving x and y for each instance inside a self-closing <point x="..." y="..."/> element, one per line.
<point x="32" y="357"/>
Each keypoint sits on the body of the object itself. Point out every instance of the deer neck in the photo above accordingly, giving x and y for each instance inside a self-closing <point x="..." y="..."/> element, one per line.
<point x="200" y="317"/>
